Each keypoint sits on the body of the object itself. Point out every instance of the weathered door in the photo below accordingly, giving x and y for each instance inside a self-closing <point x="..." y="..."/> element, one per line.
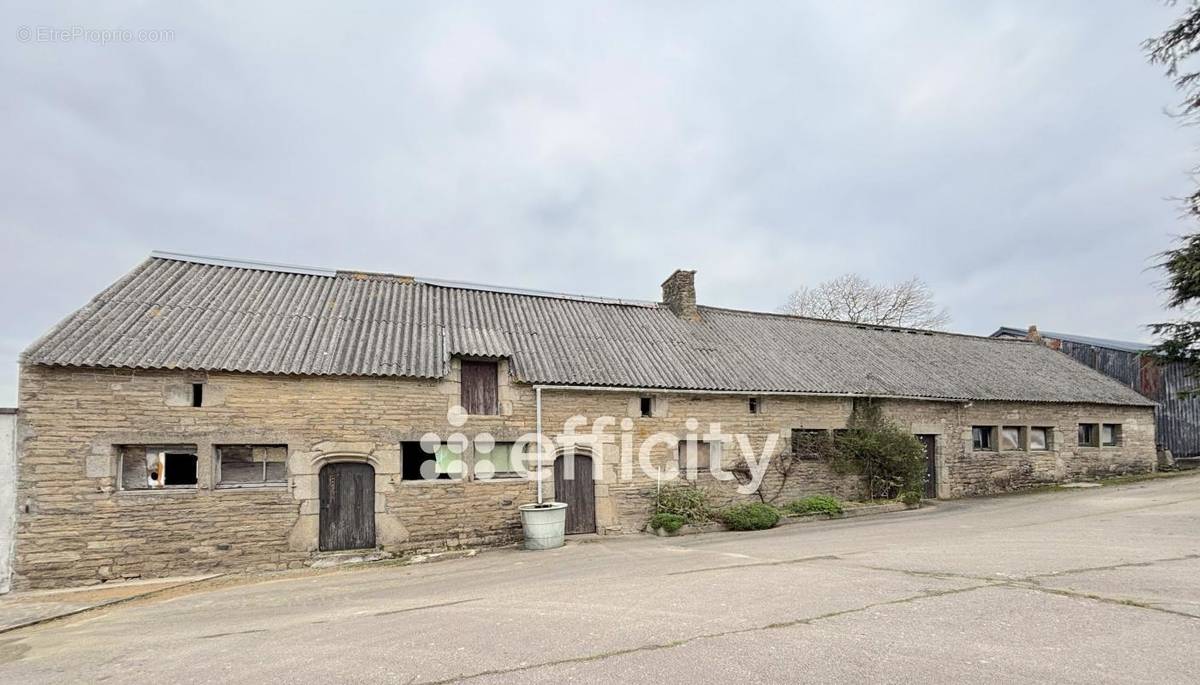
<point x="930" y="443"/>
<point x="573" y="484"/>
<point x="479" y="389"/>
<point x="347" y="506"/>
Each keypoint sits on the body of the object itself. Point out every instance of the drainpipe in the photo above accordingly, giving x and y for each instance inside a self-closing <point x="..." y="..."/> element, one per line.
<point x="537" y="392"/>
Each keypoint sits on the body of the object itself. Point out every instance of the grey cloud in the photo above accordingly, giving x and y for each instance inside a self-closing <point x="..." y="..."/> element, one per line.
<point x="1014" y="155"/>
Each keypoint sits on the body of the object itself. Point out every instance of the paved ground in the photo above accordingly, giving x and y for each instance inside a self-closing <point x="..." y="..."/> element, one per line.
<point x="1081" y="586"/>
<point x="20" y="609"/>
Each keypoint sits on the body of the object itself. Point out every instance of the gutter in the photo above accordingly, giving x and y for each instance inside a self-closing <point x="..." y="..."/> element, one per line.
<point x="754" y="393"/>
<point x="786" y="393"/>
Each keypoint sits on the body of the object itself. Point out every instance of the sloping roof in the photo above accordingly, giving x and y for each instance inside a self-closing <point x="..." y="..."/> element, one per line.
<point x="177" y="312"/>
<point x="1107" y="343"/>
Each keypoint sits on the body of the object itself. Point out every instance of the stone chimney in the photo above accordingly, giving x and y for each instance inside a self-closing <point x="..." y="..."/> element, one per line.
<point x="1034" y="336"/>
<point x="679" y="294"/>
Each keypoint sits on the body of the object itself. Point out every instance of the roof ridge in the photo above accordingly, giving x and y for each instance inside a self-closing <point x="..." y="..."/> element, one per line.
<point x="864" y="326"/>
<point x="356" y="273"/>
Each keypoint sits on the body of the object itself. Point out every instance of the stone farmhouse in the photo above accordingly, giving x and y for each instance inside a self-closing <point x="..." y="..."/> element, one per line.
<point x="207" y="413"/>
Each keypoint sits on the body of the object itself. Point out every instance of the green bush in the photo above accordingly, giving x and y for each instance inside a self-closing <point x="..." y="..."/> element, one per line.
<point x="668" y="522"/>
<point x="889" y="458"/>
<point x="683" y="500"/>
<point x="754" y="516"/>
<point x="911" y="498"/>
<point x="816" y="504"/>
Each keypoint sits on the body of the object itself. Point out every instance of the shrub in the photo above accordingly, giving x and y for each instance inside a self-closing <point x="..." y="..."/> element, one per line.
<point x="756" y="516"/>
<point x="668" y="522"/>
<point x="911" y="498"/>
<point x="816" y="504"/>
<point x="683" y="500"/>
<point x="887" y="456"/>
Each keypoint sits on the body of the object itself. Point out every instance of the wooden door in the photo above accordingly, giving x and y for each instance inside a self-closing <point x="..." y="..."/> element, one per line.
<point x="347" y="506"/>
<point x="574" y="485"/>
<point x="930" y="443"/>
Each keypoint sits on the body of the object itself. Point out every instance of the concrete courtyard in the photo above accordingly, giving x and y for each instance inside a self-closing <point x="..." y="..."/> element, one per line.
<point x="1099" y="585"/>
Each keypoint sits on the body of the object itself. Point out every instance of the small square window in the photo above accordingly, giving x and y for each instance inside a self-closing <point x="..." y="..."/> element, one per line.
<point x="647" y="406"/>
<point x="753" y="405"/>
<point x="1110" y="434"/>
<point x="1010" y="437"/>
<point x="983" y="437"/>
<point x="1088" y="435"/>
<point x="499" y="461"/>
<point x="1039" y="439"/>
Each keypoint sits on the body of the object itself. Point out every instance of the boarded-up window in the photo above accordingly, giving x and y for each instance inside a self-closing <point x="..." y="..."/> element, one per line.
<point x="245" y="465"/>
<point x="695" y="456"/>
<point x="154" y="467"/>
<point x="479" y="393"/>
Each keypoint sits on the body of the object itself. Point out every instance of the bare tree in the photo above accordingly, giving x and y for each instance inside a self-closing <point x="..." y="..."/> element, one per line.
<point x="853" y="298"/>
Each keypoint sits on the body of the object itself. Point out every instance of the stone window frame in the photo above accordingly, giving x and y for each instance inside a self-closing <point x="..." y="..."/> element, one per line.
<point x="1022" y="438"/>
<point x="993" y="433"/>
<point x="1098" y="424"/>
<point x="1094" y="442"/>
<point x="215" y="461"/>
<point x="145" y="447"/>
<point x="1051" y="439"/>
<point x="1118" y="435"/>
<point x="1024" y="446"/>
<point x="510" y="476"/>
<point x="469" y="457"/>
<point x="679" y="453"/>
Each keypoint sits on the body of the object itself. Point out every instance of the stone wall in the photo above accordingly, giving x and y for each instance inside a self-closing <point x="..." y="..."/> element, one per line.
<point x="8" y="492"/>
<point x="76" y="525"/>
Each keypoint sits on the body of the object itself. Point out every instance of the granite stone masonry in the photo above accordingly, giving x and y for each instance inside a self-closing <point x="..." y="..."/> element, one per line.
<point x="76" y="524"/>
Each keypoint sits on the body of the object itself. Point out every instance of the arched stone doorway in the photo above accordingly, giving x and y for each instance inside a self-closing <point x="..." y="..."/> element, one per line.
<point x="347" y="519"/>
<point x="574" y="484"/>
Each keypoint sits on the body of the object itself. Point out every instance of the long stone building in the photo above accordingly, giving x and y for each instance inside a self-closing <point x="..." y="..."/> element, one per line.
<point x="207" y="414"/>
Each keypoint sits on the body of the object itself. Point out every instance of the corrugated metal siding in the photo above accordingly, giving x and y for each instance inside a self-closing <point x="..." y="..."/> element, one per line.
<point x="1177" y="419"/>
<point x="173" y="313"/>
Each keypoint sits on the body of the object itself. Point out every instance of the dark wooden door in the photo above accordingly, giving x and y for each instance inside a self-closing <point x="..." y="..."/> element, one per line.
<point x="574" y="485"/>
<point x="930" y="443"/>
<point x="347" y="506"/>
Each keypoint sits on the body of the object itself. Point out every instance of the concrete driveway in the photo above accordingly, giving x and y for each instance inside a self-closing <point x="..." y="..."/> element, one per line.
<point x="1080" y="586"/>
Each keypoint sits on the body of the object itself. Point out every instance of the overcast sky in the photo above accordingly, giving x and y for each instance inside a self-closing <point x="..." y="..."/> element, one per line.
<point x="1015" y="155"/>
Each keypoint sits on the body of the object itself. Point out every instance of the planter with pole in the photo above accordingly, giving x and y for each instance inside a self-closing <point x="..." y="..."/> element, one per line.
<point x="544" y="523"/>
